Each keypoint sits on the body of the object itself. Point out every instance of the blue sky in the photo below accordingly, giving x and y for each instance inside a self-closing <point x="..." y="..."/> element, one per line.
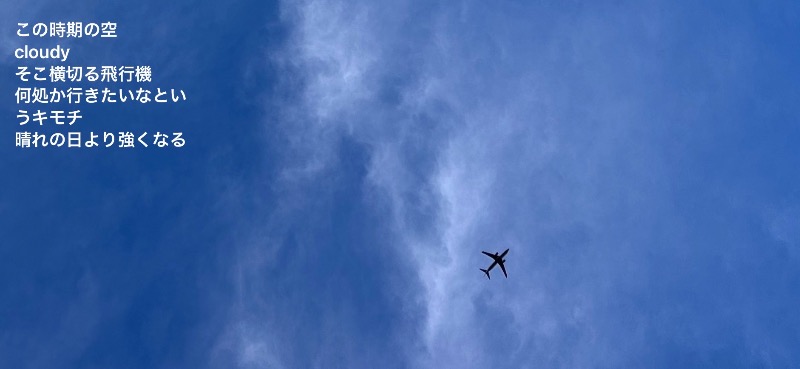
<point x="346" y="162"/>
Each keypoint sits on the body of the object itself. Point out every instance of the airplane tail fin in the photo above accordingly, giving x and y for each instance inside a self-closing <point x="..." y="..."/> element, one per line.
<point x="487" y="273"/>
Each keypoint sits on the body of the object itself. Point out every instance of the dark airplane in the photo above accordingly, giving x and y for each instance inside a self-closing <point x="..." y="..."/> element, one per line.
<point x="498" y="259"/>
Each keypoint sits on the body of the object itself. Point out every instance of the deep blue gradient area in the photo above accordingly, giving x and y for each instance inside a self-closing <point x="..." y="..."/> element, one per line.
<point x="110" y="255"/>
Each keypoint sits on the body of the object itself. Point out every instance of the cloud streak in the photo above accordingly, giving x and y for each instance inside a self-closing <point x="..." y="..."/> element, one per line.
<point x="480" y="129"/>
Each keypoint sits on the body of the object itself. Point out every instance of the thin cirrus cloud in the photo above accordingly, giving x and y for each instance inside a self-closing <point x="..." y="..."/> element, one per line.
<point x="548" y="131"/>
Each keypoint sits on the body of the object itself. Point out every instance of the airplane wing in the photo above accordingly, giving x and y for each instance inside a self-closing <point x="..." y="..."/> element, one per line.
<point x="494" y="257"/>
<point x="503" y="267"/>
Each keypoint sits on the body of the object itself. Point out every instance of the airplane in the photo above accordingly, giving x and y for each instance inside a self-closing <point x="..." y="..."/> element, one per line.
<point x="498" y="259"/>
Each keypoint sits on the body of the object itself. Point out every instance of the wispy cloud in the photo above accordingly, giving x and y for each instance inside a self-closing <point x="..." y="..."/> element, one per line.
<point x="485" y="129"/>
<point x="469" y="151"/>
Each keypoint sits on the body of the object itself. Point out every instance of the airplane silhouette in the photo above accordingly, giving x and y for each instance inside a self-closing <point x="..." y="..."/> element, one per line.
<point x="498" y="259"/>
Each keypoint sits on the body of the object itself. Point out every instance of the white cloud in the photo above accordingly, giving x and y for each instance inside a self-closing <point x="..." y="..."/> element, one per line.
<point x="484" y="133"/>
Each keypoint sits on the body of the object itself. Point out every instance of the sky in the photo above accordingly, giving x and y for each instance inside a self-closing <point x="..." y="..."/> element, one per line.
<point x="346" y="162"/>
